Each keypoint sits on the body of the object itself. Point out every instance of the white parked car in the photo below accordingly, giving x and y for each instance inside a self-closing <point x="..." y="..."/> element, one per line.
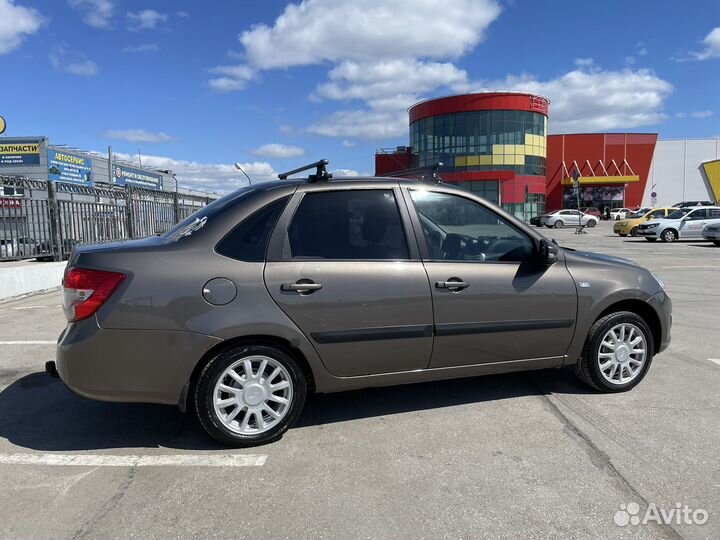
<point x="684" y="223"/>
<point x="620" y="213"/>
<point x="561" y="218"/>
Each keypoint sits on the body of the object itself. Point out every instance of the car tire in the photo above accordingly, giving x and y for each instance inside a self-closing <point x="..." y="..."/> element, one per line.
<point x="558" y="224"/>
<point x="668" y="236"/>
<point x="589" y="368"/>
<point x="251" y="401"/>
<point x="633" y="231"/>
<point x="591" y="223"/>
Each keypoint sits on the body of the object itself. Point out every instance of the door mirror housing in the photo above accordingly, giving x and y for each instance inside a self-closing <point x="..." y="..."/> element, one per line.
<point x="548" y="252"/>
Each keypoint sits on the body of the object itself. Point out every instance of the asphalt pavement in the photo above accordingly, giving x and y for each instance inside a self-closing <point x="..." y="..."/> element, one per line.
<point x="528" y="455"/>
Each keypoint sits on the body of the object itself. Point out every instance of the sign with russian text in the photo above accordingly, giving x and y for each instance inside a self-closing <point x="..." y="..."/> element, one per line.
<point x="19" y="152"/>
<point x="124" y="175"/>
<point x="69" y="168"/>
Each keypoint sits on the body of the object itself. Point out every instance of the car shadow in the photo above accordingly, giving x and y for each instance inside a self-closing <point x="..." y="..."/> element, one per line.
<point x="39" y="412"/>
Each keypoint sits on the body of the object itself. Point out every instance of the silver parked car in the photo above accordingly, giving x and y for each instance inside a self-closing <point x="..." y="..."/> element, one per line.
<point x="561" y="218"/>
<point x="320" y="285"/>
<point x="683" y="224"/>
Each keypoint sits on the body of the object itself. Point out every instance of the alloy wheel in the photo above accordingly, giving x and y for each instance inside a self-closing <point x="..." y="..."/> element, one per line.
<point x="253" y="395"/>
<point x="622" y="353"/>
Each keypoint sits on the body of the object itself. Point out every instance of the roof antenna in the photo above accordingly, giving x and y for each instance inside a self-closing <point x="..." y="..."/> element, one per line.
<point x="239" y="168"/>
<point x="321" y="174"/>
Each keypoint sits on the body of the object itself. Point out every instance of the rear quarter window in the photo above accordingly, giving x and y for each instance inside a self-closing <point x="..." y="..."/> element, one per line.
<point x="248" y="240"/>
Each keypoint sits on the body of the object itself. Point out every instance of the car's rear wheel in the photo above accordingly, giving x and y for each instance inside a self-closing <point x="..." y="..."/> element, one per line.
<point x="633" y="231"/>
<point x="250" y="395"/>
<point x="558" y="224"/>
<point x="617" y="353"/>
<point x="591" y="223"/>
<point x="669" y="236"/>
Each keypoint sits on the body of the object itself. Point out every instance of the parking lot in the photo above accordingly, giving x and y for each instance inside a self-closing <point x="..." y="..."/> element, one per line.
<point x="531" y="455"/>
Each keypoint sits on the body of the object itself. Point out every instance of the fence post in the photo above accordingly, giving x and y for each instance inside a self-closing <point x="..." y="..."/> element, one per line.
<point x="129" y="212"/>
<point x="54" y="218"/>
<point x="176" y="208"/>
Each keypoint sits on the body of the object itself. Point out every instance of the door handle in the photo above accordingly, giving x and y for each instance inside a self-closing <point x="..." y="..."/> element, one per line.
<point x="453" y="284"/>
<point x="302" y="286"/>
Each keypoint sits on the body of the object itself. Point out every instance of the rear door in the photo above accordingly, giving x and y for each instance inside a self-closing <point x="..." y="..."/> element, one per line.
<point x="493" y="302"/>
<point x="343" y="267"/>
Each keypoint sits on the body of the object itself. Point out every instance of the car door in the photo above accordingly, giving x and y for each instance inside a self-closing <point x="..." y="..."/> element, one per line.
<point x="572" y="217"/>
<point x="342" y="266"/>
<point x="493" y="301"/>
<point x="693" y="223"/>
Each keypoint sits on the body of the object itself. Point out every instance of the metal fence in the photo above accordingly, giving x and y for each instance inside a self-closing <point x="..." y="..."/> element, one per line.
<point x="45" y="220"/>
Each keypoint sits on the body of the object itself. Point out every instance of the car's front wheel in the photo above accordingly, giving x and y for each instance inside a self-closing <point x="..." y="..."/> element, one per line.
<point x="668" y="235"/>
<point x="250" y="395"/>
<point x="617" y="353"/>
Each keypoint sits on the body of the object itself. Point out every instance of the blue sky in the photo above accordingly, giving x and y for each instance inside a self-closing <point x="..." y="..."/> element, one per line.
<point x="272" y="84"/>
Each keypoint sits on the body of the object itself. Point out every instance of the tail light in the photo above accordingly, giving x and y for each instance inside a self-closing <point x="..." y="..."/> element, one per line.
<point x="84" y="291"/>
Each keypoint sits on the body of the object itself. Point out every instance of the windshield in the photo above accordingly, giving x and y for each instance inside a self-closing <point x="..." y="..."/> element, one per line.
<point x="677" y="214"/>
<point x="197" y="221"/>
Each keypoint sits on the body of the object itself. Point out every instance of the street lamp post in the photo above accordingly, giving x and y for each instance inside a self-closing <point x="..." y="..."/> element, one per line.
<point x="576" y="182"/>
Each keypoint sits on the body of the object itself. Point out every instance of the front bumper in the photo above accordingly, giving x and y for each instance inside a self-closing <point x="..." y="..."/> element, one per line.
<point x="150" y="366"/>
<point x="663" y="307"/>
<point x="711" y="235"/>
<point x="650" y="233"/>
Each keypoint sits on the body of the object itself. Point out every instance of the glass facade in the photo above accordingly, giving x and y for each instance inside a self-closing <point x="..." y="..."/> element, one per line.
<point x="489" y="190"/>
<point x="598" y="197"/>
<point x="482" y="141"/>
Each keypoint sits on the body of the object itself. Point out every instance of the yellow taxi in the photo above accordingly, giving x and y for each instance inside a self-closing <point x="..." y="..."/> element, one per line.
<point x="630" y="226"/>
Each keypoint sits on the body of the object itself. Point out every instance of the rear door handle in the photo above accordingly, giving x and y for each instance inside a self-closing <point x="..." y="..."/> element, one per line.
<point x="452" y="284"/>
<point x="301" y="286"/>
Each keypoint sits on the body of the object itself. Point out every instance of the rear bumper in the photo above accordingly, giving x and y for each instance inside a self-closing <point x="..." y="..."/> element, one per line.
<point x="150" y="366"/>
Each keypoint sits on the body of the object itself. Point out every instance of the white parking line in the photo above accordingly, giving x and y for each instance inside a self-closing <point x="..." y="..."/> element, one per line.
<point x="716" y="360"/>
<point x="33" y="307"/>
<point x="683" y="266"/>
<point x="37" y="342"/>
<point x="180" y="460"/>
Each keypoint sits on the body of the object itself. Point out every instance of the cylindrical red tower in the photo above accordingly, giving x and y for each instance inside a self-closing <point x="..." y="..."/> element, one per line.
<point x="492" y="143"/>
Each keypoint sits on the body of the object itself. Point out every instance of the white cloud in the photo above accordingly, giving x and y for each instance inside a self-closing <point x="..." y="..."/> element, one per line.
<point x="278" y="151"/>
<point x="182" y="14"/>
<point x="346" y="172"/>
<point x="146" y="19"/>
<point x="220" y="177"/>
<point x="137" y="135"/>
<point x="694" y="114"/>
<point x="712" y="46"/>
<point x="72" y="62"/>
<point x="96" y="13"/>
<point x="315" y="31"/>
<point x="363" y="124"/>
<point x="16" y="23"/>
<point x="348" y="144"/>
<point x="143" y="48"/>
<point x="583" y="62"/>
<point x="232" y="77"/>
<point x="595" y="100"/>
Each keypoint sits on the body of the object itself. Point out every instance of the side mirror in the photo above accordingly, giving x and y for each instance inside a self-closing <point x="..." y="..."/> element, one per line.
<point x="548" y="252"/>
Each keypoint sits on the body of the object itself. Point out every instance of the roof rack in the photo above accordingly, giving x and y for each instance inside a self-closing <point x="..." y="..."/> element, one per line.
<point x="321" y="174"/>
